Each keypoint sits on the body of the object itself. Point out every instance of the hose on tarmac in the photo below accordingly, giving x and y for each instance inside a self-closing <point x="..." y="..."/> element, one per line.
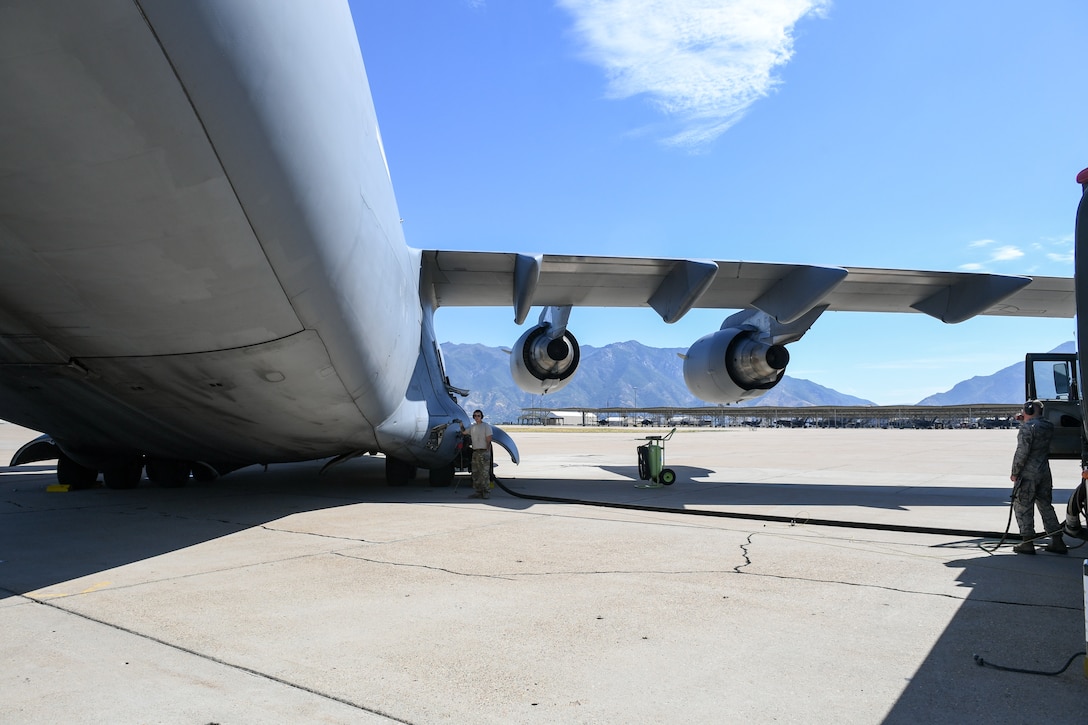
<point x="1008" y="523"/>
<point x="791" y="520"/>
<point x="983" y="663"/>
<point x="1002" y="537"/>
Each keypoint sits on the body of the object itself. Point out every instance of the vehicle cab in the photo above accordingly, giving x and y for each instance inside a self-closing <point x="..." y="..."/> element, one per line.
<point x="1052" y="379"/>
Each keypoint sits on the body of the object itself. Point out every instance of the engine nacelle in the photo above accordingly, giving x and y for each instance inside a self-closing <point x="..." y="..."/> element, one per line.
<point x="541" y="364"/>
<point x="732" y="365"/>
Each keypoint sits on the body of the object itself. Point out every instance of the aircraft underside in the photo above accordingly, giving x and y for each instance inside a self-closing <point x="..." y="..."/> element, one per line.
<point x="225" y="409"/>
<point x="197" y="269"/>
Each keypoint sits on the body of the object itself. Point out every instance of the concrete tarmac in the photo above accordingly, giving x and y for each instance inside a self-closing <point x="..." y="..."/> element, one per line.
<point x="282" y="596"/>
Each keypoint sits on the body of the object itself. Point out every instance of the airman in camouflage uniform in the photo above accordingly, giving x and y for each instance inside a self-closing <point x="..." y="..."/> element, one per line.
<point x="1034" y="485"/>
<point x="479" y="435"/>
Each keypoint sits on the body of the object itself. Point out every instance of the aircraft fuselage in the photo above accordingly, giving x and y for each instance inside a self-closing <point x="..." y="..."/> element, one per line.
<point x="203" y="257"/>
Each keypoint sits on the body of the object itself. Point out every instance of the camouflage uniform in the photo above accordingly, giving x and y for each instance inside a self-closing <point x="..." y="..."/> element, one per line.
<point x="478" y="433"/>
<point x="1035" y="487"/>
<point x="481" y="472"/>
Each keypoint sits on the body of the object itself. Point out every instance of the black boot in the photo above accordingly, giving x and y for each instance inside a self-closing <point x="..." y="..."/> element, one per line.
<point x="1057" y="545"/>
<point x="1026" y="547"/>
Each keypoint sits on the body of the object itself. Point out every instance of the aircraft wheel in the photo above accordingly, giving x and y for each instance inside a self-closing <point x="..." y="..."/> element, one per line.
<point x="73" y="475"/>
<point x="123" y="475"/>
<point x="442" y="476"/>
<point x="204" y="472"/>
<point x="667" y="477"/>
<point x="167" y="473"/>
<point x="398" y="472"/>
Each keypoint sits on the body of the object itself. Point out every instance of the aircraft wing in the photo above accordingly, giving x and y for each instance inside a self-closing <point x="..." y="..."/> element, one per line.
<point x="785" y="291"/>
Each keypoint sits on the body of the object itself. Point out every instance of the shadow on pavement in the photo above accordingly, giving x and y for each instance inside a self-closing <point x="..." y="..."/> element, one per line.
<point x="47" y="538"/>
<point x="1022" y="612"/>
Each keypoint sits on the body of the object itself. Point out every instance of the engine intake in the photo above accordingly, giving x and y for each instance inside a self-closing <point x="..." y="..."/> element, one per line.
<point x="732" y="365"/>
<point x="540" y="363"/>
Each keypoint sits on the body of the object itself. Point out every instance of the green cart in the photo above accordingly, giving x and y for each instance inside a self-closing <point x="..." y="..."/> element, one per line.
<point x="651" y="459"/>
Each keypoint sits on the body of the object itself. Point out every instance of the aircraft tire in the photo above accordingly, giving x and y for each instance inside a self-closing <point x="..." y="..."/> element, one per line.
<point x="123" y="475"/>
<point x="398" y="472"/>
<point x="73" y="475"/>
<point x="442" y="476"/>
<point x="204" y="472"/>
<point x="667" y="477"/>
<point x="167" y="473"/>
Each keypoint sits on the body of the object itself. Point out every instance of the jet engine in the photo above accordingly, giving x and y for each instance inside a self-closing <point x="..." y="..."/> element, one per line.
<point x="732" y="365"/>
<point x="544" y="359"/>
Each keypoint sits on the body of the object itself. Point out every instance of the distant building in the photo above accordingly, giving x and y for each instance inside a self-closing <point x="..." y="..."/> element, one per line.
<point x="537" y="416"/>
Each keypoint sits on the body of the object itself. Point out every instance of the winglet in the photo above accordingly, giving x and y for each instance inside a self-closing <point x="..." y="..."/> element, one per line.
<point x="681" y="288"/>
<point x="970" y="296"/>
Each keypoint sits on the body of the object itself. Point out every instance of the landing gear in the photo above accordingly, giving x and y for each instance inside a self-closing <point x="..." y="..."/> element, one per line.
<point x="73" y="475"/>
<point x="167" y="473"/>
<point x="398" y="472"/>
<point x="123" y="475"/>
<point x="126" y="473"/>
<point x="204" y="472"/>
<point x="442" y="476"/>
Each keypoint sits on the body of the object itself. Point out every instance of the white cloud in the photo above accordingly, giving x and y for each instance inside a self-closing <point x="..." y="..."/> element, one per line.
<point x="703" y="62"/>
<point x="1061" y="249"/>
<point x="1048" y="255"/>
<point x="999" y="253"/>
<point x="1006" y="253"/>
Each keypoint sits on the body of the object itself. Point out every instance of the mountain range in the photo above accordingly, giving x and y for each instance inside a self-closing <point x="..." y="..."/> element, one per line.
<point x="1004" y="386"/>
<point x="632" y="375"/>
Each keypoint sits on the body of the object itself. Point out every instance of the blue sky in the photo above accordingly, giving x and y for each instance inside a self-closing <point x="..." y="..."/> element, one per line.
<point x="912" y="134"/>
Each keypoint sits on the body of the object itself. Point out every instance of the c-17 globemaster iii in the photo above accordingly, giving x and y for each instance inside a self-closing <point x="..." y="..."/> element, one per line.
<point x="204" y="266"/>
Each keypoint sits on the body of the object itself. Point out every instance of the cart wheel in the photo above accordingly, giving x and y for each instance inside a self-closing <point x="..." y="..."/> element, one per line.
<point x="667" y="477"/>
